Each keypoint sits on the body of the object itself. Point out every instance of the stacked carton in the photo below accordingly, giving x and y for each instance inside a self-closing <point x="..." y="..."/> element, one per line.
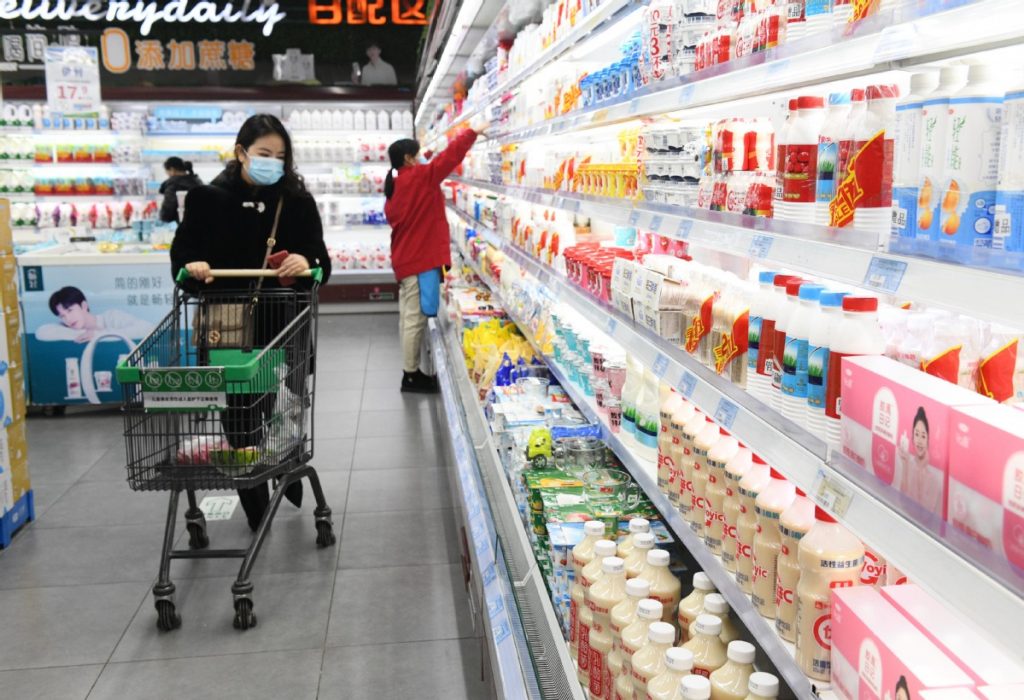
<point x="16" y="506"/>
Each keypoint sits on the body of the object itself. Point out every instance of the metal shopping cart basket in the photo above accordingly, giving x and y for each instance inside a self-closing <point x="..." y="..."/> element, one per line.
<point x="220" y="396"/>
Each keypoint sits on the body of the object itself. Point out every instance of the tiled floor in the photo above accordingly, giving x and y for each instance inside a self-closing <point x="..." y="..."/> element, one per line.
<point x="381" y="615"/>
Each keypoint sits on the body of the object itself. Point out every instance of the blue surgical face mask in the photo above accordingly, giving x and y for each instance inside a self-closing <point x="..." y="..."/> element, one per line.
<point x="265" y="171"/>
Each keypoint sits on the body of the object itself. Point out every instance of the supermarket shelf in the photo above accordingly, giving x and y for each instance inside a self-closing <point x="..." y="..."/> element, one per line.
<point x="843" y="255"/>
<point x="362" y="277"/>
<point x="484" y="230"/>
<point x="357" y="228"/>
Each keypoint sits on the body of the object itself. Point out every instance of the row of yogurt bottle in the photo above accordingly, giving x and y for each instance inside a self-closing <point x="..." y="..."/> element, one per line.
<point x="351" y="119"/>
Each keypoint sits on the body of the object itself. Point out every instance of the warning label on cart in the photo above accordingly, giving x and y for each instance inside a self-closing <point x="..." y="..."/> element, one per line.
<point x="184" y="389"/>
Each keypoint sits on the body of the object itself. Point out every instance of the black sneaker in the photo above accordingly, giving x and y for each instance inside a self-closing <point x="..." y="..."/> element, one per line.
<point x="418" y="383"/>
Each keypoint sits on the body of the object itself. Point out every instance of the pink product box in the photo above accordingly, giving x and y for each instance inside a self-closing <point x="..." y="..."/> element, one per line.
<point x="895" y="422"/>
<point x="948" y="694"/>
<point x="1002" y="692"/>
<point x="985" y="663"/>
<point x="879" y="654"/>
<point x="986" y="478"/>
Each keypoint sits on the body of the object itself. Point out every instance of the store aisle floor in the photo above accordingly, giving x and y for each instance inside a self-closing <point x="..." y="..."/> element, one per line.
<point x="383" y="614"/>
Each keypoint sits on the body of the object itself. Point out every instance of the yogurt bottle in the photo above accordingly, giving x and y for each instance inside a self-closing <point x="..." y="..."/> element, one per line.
<point x="874" y="152"/>
<point x="628" y="544"/>
<point x="786" y="311"/>
<point x="731" y="681"/>
<point x="670" y="404"/>
<point x="648" y="417"/>
<point x="694" y="688"/>
<point x="591" y="574"/>
<point x="762" y="686"/>
<point x="906" y="160"/>
<point x="822" y="327"/>
<point x="665" y="587"/>
<point x="794" y="523"/>
<point x="709" y="652"/>
<point x="604" y="595"/>
<point x="622" y="616"/>
<point x="873" y="571"/>
<point x="857" y="333"/>
<point x="685" y="496"/>
<point x="761" y="384"/>
<point x="649" y="661"/>
<point x="1009" y="218"/>
<point x="693" y="605"/>
<point x="706" y="438"/>
<point x="847" y="139"/>
<point x="829" y="176"/>
<point x="636" y="560"/>
<point x="755" y="480"/>
<point x="934" y="125"/>
<point x="779" y="207"/>
<point x="674" y="461"/>
<point x="794" y="356"/>
<point x="830" y="557"/>
<point x="759" y="303"/>
<point x="634" y="637"/>
<point x="582" y="554"/>
<point x="735" y="469"/>
<point x="630" y="393"/>
<point x="971" y="164"/>
<point x="769" y="505"/>
<point x="678" y="665"/>
<point x="714" y="494"/>
<point x="715" y="604"/>
<point x="801" y="167"/>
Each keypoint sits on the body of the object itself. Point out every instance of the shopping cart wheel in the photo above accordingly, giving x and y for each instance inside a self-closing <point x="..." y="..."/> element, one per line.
<point x="167" y="618"/>
<point x="197" y="538"/>
<point x="244" y="616"/>
<point x="324" y="533"/>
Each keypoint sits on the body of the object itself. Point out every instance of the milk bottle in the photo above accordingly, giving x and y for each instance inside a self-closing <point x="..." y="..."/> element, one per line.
<point x="636" y="560"/>
<point x="628" y="544"/>
<point x="694" y="688"/>
<point x="624" y="614"/>
<point x="759" y="304"/>
<point x="857" y="333"/>
<point x="582" y="554"/>
<point x="786" y="311"/>
<point x="873" y="571"/>
<point x="591" y="574"/>
<point x="847" y="139"/>
<point x="649" y="661"/>
<point x="830" y="557"/>
<point x="634" y="637"/>
<point x="648" y="412"/>
<point x="780" y="210"/>
<point x="674" y="462"/>
<point x="801" y="167"/>
<point x="934" y="121"/>
<point x="1009" y="218"/>
<point x="604" y="595"/>
<point x="874" y="152"/>
<point x="684" y="499"/>
<point x="906" y="159"/>
<point x="709" y="653"/>
<point x="822" y="327"/>
<point x="760" y="385"/>
<point x="678" y="665"/>
<point x="715" y="604"/>
<point x="756" y="478"/>
<point x="714" y="495"/>
<point x="706" y="438"/>
<point x="776" y="497"/>
<point x="693" y="605"/>
<point x="762" y="686"/>
<point x="793" y="525"/>
<point x="630" y="393"/>
<point x="665" y="587"/>
<point x="735" y="469"/>
<point x="828" y="155"/>
<point x="671" y="402"/>
<point x="794" y="357"/>
<point x="731" y="681"/>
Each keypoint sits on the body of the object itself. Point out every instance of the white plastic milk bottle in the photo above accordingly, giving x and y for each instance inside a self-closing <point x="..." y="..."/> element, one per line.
<point x="857" y="333"/>
<point x="822" y="328"/>
<point x="582" y="554"/>
<point x="780" y="210"/>
<point x="786" y="312"/>
<point x="830" y="557"/>
<point x="761" y="385"/>
<point x="674" y="462"/>
<point x="906" y="160"/>
<point x="735" y="469"/>
<point x="847" y="140"/>
<point x="793" y="525"/>
<point x="649" y="661"/>
<point x="634" y="636"/>
<point x="671" y="402"/>
<point x="801" y="168"/>
<point x="794" y="357"/>
<point x="759" y="304"/>
<point x="709" y="652"/>
<point x="731" y="681"/>
<point x="716" y="604"/>
<point x="828" y="179"/>
<point x="1009" y="219"/>
<point x="665" y="587"/>
<point x="684" y="499"/>
<point x="623" y="615"/>
<point x="762" y="686"/>
<point x="678" y="665"/>
<point x="769" y="505"/>
<point x="636" y="560"/>
<point x="934" y="120"/>
<point x="874" y="152"/>
<point x="693" y="605"/>
<point x="714" y="494"/>
<point x="694" y="687"/>
<point x="706" y="438"/>
<point x="648" y="413"/>
<point x="592" y="573"/>
<point x="604" y="595"/>
<point x="628" y="544"/>
<point x="630" y="393"/>
<point x="749" y="487"/>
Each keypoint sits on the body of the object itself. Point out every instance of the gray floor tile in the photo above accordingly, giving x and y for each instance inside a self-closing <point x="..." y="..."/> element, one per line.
<point x="330" y="454"/>
<point x="64" y="459"/>
<point x="398" y="604"/>
<point x="413" y="537"/>
<point x="330" y="378"/>
<point x="105" y="503"/>
<point x="392" y="490"/>
<point x="111" y="466"/>
<point x="384" y="358"/>
<point x="65" y="626"/>
<point x="335" y="415"/>
<point x="266" y="676"/>
<point x="414" y="419"/>
<point x="420" y="450"/>
<point x="448" y="669"/>
<point x="291" y="611"/>
<point x="391" y="399"/>
<point x="82" y="555"/>
<point x="61" y="683"/>
<point x="46" y="494"/>
<point x="382" y="379"/>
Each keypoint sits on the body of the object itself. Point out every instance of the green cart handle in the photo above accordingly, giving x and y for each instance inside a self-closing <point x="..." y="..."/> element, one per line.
<point x="316" y="273"/>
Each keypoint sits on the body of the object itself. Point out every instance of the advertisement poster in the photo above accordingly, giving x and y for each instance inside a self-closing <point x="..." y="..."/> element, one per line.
<point x="80" y="320"/>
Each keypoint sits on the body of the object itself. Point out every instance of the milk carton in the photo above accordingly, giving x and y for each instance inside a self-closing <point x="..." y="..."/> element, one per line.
<point x="986" y="477"/>
<point x="1002" y="692"/>
<point x="896" y="423"/>
<point x="949" y="694"/>
<point x="878" y="653"/>
<point x="1009" y="217"/>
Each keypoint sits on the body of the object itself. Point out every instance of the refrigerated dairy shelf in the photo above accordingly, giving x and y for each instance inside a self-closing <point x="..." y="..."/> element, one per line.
<point x="983" y="588"/>
<point x="362" y="277"/>
<point x="843" y="255"/>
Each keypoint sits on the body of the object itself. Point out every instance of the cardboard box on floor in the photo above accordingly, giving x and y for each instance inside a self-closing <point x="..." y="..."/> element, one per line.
<point x="6" y="237"/>
<point x="17" y="449"/>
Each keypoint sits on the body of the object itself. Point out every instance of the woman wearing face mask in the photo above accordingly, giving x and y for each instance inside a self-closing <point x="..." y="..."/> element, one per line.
<point x="227" y="224"/>
<point x="419" y="241"/>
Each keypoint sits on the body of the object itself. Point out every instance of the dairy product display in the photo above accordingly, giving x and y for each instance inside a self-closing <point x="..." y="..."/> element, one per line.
<point x="678" y="665"/>
<point x="731" y="681"/>
<point x="709" y="651"/>
<point x="762" y="686"/>
<point x="693" y="605"/>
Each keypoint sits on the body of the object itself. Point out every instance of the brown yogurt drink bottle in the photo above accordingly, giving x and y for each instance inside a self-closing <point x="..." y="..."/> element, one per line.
<point x="756" y="478"/>
<point x="709" y="652"/>
<point x="649" y="661"/>
<point x="714" y="496"/>
<point x="762" y="686"/>
<point x="636" y="526"/>
<point x="634" y="636"/>
<point x="680" y="417"/>
<point x="678" y="665"/>
<point x="793" y="525"/>
<point x="693" y="605"/>
<point x="706" y="438"/>
<point x="665" y="587"/>
<point x="592" y="573"/>
<point x="716" y="604"/>
<point x="768" y="506"/>
<point x="604" y="595"/>
<point x="636" y="560"/>
<point x="623" y="615"/>
<point x="830" y="557"/>
<point x="735" y="469"/>
<point x="694" y="688"/>
<point x="669" y="405"/>
<point x="582" y="554"/>
<point x="731" y="681"/>
<point x="684" y="499"/>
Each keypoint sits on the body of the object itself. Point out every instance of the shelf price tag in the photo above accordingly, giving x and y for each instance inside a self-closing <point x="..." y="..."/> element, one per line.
<point x="489" y="575"/>
<point x="634" y="106"/>
<point x="572" y="205"/>
<point x="685" y="226"/>
<point x="688" y="383"/>
<point x="660" y="366"/>
<point x="656" y="222"/>
<point x="610" y="326"/>
<point x="725" y="414"/>
<point x="760" y="246"/>
<point x="885" y="274"/>
<point x="495" y="606"/>
<point x="634" y="217"/>
<point x="502" y="632"/>
<point x="778" y="67"/>
<point x="686" y="95"/>
<point x="831" y="494"/>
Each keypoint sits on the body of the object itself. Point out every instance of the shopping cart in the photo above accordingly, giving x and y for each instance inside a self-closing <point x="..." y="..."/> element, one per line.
<point x="220" y="396"/>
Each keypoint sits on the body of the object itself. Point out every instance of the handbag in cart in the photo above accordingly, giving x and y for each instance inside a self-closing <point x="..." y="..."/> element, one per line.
<point x="230" y="324"/>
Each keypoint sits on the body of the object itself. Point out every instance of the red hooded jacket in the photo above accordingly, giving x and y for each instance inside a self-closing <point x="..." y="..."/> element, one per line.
<point x="419" y="228"/>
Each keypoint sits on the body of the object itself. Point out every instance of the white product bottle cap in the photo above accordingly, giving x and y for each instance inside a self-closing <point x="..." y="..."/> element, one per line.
<point x="695" y="688"/>
<point x="643" y="540"/>
<point x="981" y="73"/>
<point x="661" y="633"/>
<point x="715" y="603"/>
<point x="709" y="624"/>
<point x="638" y="525"/>
<point x="923" y="82"/>
<point x="613" y="565"/>
<point x="657" y="557"/>
<point x="651" y="609"/>
<point x="679" y="659"/>
<point x="764" y="684"/>
<point x="604" y="548"/>
<point x="593" y="528"/>
<point x="953" y="74"/>
<point x="638" y="588"/>
<point x="741" y="652"/>
<point x="702" y="581"/>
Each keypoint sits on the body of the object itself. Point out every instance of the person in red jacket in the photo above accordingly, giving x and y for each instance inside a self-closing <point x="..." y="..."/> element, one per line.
<point x="419" y="241"/>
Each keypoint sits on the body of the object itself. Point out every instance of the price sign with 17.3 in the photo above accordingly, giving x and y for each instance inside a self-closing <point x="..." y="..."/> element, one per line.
<point x="73" y="79"/>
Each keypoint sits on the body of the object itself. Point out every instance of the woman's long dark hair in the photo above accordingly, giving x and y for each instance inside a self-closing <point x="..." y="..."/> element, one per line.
<point x="397" y="153"/>
<point x="257" y="126"/>
<point x="176" y="163"/>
